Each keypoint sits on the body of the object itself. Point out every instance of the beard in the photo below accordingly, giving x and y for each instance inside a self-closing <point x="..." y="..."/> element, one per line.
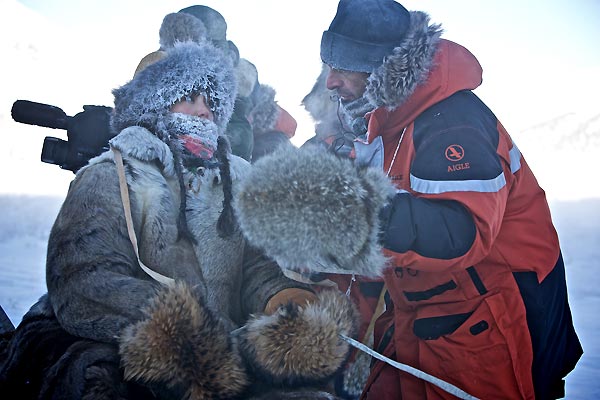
<point x="353" y="113"/>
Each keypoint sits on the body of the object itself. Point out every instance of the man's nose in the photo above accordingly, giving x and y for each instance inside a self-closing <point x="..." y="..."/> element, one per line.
<point x="334" y="80"/>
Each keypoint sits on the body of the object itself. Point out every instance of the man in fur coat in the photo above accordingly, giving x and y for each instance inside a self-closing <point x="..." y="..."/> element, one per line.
<point x="152" y="290"/>
<point x="474" y="288"/>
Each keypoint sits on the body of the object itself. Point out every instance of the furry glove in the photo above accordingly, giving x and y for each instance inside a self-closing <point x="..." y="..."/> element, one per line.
<point x="299" y="345"/>
<point x="314" y="212"/>
<point x="182" y="350"/>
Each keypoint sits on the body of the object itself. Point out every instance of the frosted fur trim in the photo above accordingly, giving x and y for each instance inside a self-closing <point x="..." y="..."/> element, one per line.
<point x="310" y="210"/>
<point x="180" y="27"/>
<point x="187" y="68"/>
<point x="139" y="143"/>
<point x="407" y="67"/>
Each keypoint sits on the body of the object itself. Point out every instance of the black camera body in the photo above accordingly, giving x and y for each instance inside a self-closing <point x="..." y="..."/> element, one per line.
<point x="88" y="132"/>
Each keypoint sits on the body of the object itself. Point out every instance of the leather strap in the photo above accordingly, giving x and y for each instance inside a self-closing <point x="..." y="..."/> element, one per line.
<point x="376" y="314"/>
<point x="165" y="280"/>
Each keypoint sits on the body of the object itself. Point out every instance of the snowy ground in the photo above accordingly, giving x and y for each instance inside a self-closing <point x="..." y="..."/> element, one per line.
<point x="27" y="220"/>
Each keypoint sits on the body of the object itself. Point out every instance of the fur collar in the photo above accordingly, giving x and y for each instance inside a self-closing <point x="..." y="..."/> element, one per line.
<point x="139" y="143"/>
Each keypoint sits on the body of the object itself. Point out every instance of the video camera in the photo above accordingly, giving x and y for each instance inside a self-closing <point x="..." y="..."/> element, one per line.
<point x="88" y="132"/>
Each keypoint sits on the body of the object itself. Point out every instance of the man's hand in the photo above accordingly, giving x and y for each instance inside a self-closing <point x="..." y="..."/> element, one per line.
<point x="301" y="297"/>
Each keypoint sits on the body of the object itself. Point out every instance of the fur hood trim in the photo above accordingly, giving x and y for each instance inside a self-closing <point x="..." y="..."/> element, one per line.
<point x="310" y="210"/>
<point x="186" y="68"/>
<point x="408" y="66"/>
<point x="183" y="346"/>
<point x="139" y="143"/>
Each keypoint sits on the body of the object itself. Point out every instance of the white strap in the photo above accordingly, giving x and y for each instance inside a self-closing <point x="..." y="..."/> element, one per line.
<point x="295" y="276"/>
<point x="448" y="387"/>
<point x="165" y="280"/>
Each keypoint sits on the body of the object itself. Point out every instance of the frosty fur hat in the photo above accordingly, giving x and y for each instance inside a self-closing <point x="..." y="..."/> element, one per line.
<point x="185" y="69"/>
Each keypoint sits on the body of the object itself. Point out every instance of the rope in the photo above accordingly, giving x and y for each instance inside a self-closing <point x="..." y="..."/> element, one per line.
<point x="448" y="387"/>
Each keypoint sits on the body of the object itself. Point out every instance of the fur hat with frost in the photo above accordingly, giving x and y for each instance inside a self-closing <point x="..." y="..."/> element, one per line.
<point x="185" y="69"/>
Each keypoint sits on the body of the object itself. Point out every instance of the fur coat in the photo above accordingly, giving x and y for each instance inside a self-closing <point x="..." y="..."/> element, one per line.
<point x="175" y="341"/>
<point x="107" y="329"/>
<point x="92" y="269"/>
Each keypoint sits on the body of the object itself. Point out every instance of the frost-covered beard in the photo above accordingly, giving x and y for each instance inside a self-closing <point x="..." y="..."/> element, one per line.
<point x="196" y="137"/>
<point x="353" y="113"/>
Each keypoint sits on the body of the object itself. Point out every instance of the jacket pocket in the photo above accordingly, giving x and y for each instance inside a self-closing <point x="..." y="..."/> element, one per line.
<point x="478" y="350"/>
<point x="434" y="327"/>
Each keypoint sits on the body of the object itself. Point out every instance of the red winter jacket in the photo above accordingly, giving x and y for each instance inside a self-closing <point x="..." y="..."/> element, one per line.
<point x="467" y="231"/>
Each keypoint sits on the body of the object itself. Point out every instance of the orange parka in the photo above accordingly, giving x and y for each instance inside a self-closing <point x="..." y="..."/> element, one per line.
<point x="476" y="281"/>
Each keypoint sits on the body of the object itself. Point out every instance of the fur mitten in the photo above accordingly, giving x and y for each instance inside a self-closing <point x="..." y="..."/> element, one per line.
<point x="310" y="210"/>
<point x="182" y="348"/>
<point x="299" y="345"/>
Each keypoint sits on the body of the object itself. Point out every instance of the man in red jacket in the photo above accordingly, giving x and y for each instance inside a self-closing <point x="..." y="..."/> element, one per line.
<point x="476" y="291"/>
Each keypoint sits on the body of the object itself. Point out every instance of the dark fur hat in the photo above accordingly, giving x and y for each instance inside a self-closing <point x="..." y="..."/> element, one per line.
<point x="216" y="28"/>
<point x="182" y="346"/>
<point x="300" y="345"/>
<point x="180" y="27"/>
<point x="363" y="33"/>
<point x="308" y="209"/>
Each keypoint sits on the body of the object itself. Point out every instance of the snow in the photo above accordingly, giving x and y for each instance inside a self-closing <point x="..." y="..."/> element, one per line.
<point x="28" y="219"/>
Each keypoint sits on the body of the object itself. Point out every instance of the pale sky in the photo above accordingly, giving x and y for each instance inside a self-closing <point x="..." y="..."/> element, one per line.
<point x="540" y="60"/>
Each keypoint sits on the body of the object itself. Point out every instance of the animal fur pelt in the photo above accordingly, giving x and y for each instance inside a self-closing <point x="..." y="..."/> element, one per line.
<point x="299" y="345"/>
<point x="310" y="210"/>
<point x="181" y="345"/>
<point x="42" y="361"/>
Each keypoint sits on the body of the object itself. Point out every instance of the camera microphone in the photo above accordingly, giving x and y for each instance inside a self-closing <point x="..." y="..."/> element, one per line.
<point x="32" y="113"/>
